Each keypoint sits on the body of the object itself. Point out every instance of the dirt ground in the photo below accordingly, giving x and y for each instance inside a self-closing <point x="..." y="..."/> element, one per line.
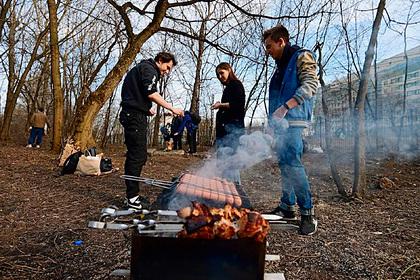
<point x="42" y="214"/>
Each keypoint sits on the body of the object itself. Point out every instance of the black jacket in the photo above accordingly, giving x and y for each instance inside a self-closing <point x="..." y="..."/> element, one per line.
<point x="139" y="83"/>
<point x="234" y="94"/>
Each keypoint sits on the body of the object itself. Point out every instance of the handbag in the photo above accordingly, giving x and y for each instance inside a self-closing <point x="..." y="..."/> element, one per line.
<point x="89" y="165"/>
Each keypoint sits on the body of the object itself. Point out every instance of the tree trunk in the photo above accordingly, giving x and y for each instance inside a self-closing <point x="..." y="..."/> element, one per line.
<point x="359" y="183"/>
<point x="404" y="101"/>
<point x="56" y="79"/>
<point x="104" y="138"/>
<point x="375" y="68"/>
<point x="85" y="115"/>
<point x="195" y="99"/>
<point x="10" y="103"/>
<point x="3" y="15"/>
<point x="331" y="155"/>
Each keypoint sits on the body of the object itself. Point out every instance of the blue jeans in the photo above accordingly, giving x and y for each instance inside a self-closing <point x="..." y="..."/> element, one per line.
<point x="295" y="185"/>
<point x="36" y="133"/>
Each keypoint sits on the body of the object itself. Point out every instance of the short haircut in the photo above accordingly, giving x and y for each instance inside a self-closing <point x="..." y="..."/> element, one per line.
<point x="277" y="32"/>
<point x="41" y="109"/>
<point x="166" y="57"/>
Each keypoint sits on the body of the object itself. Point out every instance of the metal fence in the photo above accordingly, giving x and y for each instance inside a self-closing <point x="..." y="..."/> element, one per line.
<point x="384" y="136"/>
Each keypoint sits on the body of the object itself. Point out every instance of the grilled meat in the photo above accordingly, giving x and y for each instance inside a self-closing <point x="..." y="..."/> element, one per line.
<point x="223" y="223"/>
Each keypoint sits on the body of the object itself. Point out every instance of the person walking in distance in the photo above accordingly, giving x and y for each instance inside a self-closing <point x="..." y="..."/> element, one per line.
<point x="38" y="122"/>
<point x="138" y="92"/>
<point x="291" y="92"/>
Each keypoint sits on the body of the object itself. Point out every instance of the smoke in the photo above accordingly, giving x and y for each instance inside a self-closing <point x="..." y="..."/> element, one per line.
<point x="251" y="149"/>
<point x="387" y="135"/>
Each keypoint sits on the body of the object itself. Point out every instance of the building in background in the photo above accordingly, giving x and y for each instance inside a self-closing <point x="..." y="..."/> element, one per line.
<point x="387" y="125"/>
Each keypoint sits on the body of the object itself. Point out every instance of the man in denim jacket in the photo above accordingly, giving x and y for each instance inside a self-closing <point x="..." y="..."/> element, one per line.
<point x="291" y="92"/>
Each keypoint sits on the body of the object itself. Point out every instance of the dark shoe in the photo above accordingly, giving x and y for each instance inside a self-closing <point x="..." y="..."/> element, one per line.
<point x="286" y="215"/>
<point x="138" y="204"/>
<point x="308" y="225"/>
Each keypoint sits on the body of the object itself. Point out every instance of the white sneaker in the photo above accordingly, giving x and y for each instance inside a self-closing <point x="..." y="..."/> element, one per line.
<point x="29" y="146"/>
<point x="137" y="203"/>
<point x="38" y="146"/>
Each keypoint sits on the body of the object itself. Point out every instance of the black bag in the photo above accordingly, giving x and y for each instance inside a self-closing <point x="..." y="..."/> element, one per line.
<point x="106" y="165"/>
<point x="70" y="165"/>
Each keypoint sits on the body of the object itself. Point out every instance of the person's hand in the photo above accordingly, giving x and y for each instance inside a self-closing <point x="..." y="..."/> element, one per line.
<point x="30" y="128"/>
<point x="178" y="112"/>
<point x="152" y="111"/>
<point x="216" y="105"/>
<point x="280" y="113"/>
<point x="270" y="131"/>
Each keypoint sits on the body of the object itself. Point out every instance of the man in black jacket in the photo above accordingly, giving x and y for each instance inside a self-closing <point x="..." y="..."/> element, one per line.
<point x="139" y="90"/>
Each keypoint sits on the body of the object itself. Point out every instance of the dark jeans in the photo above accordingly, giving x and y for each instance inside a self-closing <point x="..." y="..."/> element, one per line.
<point x="192" y="141"/>
<point x="135" y="133"/>
<point x="36" y="133"/>
<point x="177" y="141"/>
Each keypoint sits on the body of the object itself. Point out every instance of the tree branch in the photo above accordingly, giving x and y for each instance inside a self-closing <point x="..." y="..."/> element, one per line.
<point x="122" y="11"/>
<point x="273" y="17"/>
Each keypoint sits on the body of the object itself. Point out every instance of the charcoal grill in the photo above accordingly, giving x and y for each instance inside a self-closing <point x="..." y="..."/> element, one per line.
<point x="161" y="258"/>
<point x="161" y="255"/>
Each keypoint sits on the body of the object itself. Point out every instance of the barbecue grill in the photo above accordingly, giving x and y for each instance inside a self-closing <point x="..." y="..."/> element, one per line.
<point x="165" y="246"/>
<point x="160" y="258"/>
<point x="214" y="192"/>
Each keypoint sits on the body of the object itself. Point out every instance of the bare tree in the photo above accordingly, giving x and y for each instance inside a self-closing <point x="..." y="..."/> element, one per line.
<point x="4" y="9"/>
<point x="330" y="152"/>
<point x="55" y="77"/>
<point x="403" y="114"/>
<point x="85" y="115"/>
<point x="15" y="82"/>
<point x="359" y="183"/>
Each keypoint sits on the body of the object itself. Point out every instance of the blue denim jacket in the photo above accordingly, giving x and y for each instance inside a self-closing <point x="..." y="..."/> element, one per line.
<point x="281" y="91"/>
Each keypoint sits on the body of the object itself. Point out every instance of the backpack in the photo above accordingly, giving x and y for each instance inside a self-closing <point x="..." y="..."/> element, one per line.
<point x="70" y="165"/>
<point x="106" y="165"/>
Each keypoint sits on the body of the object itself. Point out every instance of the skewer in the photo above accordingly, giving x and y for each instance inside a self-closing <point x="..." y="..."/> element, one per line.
<point x="164" y="185"/>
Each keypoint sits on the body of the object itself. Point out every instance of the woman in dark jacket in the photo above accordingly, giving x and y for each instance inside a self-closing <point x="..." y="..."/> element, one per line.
<point x="230" y="116"/>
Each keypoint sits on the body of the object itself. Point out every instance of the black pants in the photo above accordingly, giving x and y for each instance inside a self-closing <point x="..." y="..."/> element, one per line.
<point x="177" y="141"/>
<point x="135" y="133"/>
<point x="192" y="141"/>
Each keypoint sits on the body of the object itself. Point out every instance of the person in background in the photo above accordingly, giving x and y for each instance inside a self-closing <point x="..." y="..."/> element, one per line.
<point x="138" y="92"/>
<point x="291" y="92"/>
<point x="166" y="135"/>
<point x="39" y="122"/>
<point x="176" y="122"/>
<point x="229" y="117"/>
<point x="189" y="121"/>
